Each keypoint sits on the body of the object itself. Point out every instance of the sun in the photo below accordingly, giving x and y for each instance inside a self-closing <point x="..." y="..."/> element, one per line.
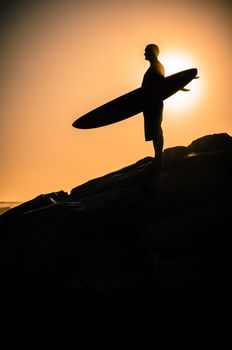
<point x="181" y="102"/>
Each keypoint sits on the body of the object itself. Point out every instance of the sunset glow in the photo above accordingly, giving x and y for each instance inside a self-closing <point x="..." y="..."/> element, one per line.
<point x="182" y="102"/>
<point x="61" y="59"/>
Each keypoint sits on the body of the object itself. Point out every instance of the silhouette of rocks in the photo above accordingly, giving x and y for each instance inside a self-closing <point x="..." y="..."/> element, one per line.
<point x="213" y="142"/>
<point x="41" y="201"/>
<point x="137" y="257"/>
<point x="173" y="155"/>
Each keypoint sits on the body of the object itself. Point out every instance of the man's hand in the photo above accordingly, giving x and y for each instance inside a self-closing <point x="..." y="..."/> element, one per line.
<point x="184" y="89"/>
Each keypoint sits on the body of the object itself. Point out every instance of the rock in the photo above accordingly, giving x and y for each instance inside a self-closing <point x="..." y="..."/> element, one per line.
<point x="214" y="142"/>
<point x="135" y="255"/>
<point x="171" y="156"/>
<point x="41" y="201"/>
<point x="123" y="178"/>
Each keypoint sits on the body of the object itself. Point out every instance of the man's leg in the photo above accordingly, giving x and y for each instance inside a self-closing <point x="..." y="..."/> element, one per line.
<point x="158" y="143"/>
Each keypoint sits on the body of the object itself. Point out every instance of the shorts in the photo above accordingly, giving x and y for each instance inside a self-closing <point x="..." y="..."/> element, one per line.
<point x="152" y="120"/>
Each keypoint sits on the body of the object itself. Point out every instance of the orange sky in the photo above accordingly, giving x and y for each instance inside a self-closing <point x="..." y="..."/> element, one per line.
<point x="60" y="59"/>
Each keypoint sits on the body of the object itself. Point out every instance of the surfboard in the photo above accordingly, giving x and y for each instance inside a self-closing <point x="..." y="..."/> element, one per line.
<point x="131" y="103"/>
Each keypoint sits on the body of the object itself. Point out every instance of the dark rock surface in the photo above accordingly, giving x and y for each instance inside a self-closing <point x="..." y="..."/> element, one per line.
<point x="137" y="257"/>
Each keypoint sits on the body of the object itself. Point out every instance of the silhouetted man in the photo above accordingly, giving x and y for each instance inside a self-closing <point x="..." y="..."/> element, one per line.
<point x="152" y="87"/>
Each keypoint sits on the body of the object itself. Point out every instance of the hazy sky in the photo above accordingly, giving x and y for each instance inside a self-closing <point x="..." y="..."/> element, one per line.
<point x="60" y="59"/>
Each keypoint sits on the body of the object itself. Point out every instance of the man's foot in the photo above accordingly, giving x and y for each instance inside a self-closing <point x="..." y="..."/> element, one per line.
<point x="157" y="163"/>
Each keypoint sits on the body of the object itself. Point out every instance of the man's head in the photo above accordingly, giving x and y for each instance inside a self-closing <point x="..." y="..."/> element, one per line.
<point x="151" y="52"/>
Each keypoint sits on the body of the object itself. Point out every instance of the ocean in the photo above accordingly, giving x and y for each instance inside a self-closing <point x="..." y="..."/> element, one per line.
<point x="4" y="206"/>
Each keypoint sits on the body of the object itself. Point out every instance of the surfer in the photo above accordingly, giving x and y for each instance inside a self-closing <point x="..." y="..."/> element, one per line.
<point x="152" y="86"/>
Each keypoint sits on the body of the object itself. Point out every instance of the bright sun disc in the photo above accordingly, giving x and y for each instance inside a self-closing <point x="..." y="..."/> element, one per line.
<point x="181" y="101"/>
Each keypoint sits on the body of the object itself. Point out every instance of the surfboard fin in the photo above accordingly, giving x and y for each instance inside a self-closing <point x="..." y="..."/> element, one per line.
<point x="184" y="89"/>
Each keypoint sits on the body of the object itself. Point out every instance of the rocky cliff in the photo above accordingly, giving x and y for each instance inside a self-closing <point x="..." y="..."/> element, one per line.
<point x="133" y="258"/>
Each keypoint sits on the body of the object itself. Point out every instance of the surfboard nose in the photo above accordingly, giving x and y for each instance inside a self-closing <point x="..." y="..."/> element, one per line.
<point x="75" y="124"/>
